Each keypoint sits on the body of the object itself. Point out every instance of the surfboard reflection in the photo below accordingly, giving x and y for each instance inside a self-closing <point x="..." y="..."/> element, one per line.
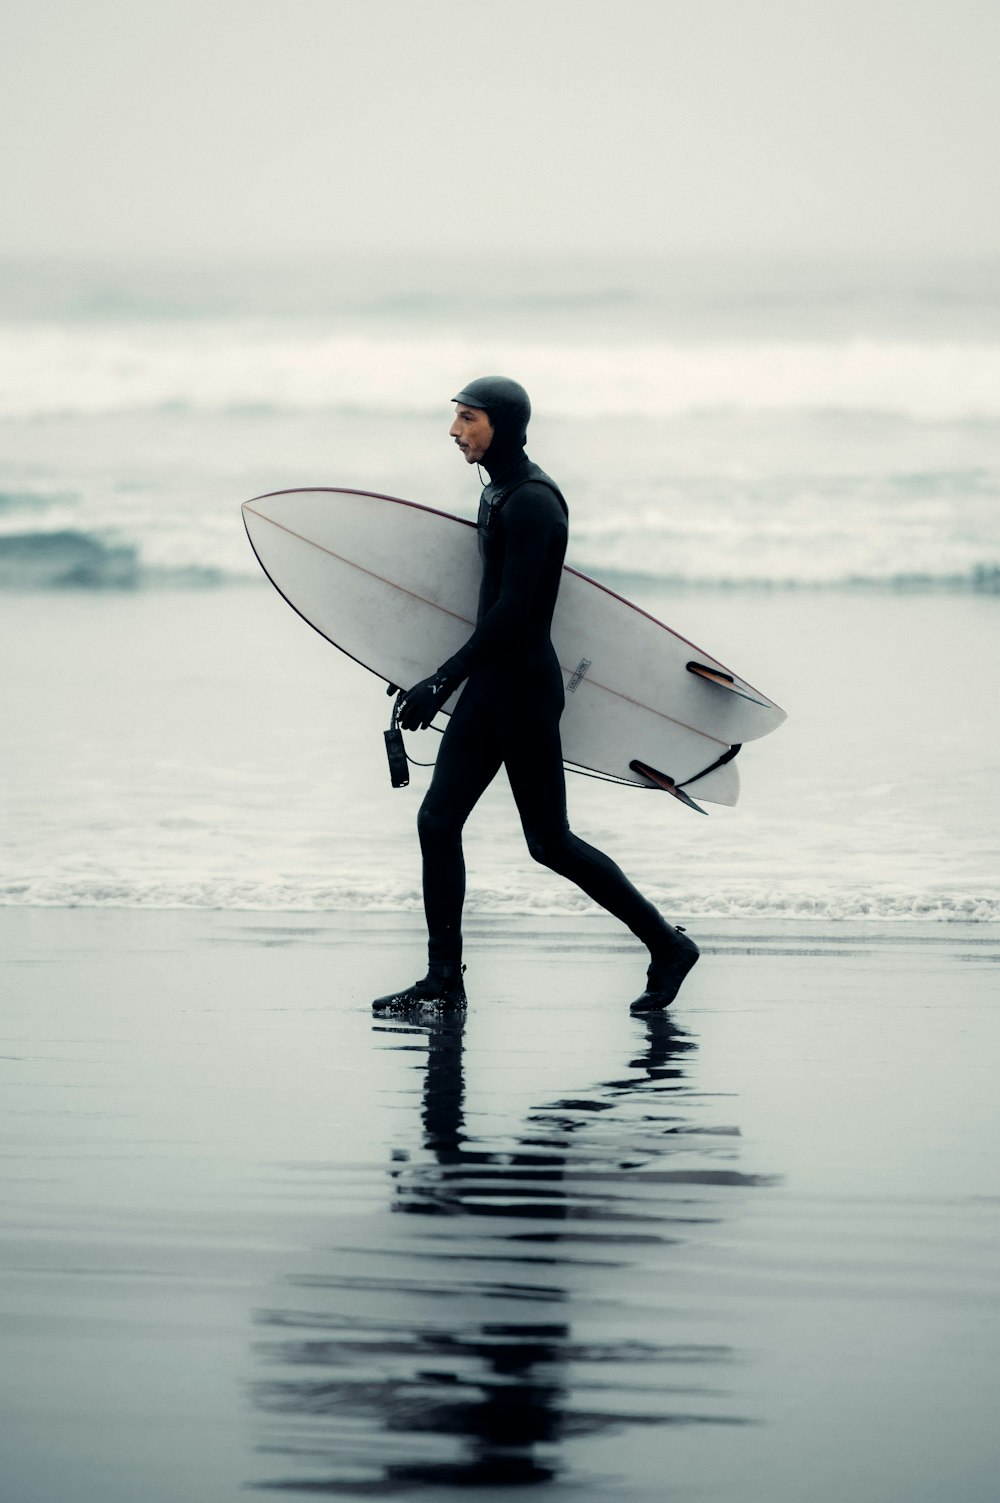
<point x="502" y="1313"/>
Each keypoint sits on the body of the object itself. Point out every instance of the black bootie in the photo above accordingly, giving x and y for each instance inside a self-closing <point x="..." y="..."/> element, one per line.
<point x="671" y="961"/>
<point x="441" y="990"/>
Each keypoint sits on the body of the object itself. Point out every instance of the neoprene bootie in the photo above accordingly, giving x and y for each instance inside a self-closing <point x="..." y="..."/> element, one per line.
<point x="667" y="970"/>
<point x="441" y="990"/>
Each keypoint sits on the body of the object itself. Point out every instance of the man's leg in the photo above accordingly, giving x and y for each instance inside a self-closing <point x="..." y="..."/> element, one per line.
<point x="537" y="779"/>
<point x="468" y="760"/>
<point x="533" y="758"/>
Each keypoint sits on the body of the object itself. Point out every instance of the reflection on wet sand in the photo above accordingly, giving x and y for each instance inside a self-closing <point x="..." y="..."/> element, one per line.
<point x="516" y="1297"/>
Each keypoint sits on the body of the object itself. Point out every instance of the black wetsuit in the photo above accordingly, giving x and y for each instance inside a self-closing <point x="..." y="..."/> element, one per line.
<point x="508" y="715"/>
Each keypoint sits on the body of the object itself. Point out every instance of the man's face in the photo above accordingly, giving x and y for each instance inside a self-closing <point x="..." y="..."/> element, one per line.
<point x="472" y="431"/>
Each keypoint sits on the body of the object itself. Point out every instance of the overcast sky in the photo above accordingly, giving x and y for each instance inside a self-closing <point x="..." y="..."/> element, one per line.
<point x="263" y="126"/>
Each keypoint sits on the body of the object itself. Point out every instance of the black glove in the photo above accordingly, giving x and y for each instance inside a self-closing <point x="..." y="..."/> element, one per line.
<point x="422" y="702"/>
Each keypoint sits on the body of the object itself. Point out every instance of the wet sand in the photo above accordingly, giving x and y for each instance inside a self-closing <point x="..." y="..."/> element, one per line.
<point x="253" y="1240"/>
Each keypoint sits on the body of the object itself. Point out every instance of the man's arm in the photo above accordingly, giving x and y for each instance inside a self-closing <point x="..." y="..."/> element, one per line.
<point x="532" y="521"/>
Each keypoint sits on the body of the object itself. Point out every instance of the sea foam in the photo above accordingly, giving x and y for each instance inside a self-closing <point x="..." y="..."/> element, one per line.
<point x="52" y="369"/>
<point x="389" y="895"/>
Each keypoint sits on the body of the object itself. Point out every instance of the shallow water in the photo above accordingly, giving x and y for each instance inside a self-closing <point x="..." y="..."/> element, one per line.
<point x="254" y="1239"/>
<point x="208" y="749"/>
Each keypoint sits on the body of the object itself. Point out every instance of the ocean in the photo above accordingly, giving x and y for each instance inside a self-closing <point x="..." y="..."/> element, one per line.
<point x="796" y="466"/>
<point x="254" y="1240"/>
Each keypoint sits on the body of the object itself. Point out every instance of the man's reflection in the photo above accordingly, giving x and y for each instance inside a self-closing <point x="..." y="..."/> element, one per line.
<point x="486" y="1394"/>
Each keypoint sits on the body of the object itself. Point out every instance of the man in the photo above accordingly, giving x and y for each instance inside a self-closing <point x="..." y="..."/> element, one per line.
<point x="508" y="713"/>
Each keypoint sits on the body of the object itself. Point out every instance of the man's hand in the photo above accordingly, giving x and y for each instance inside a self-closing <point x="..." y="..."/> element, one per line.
<point x="422" y="702"/>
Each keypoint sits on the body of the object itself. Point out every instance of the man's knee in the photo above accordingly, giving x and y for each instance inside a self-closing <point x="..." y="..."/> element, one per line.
<point x="548" y="848"/>
<point x="435" y="826"/>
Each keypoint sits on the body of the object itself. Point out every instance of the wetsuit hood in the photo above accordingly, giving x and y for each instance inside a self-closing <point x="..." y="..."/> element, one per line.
<point x="508" y="407"/>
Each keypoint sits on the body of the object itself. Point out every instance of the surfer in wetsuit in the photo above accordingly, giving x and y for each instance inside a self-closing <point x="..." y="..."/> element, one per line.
<point x="508" y="713"/>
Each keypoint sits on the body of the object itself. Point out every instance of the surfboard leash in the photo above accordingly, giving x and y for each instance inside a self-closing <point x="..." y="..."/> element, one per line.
<point x="395" y="748"/>
<point x="727" y="756"/>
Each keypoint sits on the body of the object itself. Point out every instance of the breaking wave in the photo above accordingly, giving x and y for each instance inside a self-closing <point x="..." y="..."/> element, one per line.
<point x="77" y="560"/>
<point x="984" y="579"/>
<point x="258" y="366"/>
<point x="188" y="554"/>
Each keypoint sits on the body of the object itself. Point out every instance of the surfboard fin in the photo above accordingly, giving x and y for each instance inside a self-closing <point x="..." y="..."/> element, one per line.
<point x="665" y="781"/>
<point x="724" y="681"/>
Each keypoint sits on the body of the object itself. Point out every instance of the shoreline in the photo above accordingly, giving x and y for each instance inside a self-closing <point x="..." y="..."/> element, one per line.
<point x="594" y="931"/>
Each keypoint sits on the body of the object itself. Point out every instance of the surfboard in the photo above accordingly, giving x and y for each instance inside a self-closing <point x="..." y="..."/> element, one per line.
<point x="395" y="585"/>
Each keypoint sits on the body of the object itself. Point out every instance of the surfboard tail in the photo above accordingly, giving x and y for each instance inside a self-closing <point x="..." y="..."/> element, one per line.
<point x="720" y="786"/>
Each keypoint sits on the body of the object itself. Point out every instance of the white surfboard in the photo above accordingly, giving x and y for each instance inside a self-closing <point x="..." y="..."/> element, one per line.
<point x="395" y="585"/>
